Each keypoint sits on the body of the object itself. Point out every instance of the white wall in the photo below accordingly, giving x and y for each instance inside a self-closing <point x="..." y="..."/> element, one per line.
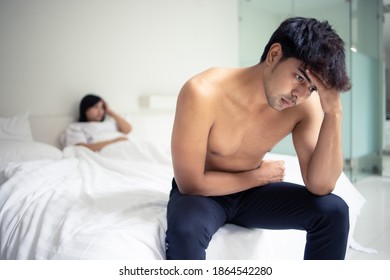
<point x="52" y="52"/>
<point x="255" y="30"/>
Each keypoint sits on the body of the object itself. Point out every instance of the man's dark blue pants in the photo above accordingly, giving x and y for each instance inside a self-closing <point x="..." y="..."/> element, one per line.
<point x="193" y="219"/>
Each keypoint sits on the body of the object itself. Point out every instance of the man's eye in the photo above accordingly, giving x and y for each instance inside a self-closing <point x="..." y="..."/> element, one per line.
<point x="299" y="78"/>
<point x="312" y="88"/>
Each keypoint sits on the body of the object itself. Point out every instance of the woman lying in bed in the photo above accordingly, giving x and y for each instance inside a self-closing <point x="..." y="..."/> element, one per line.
<point x="91" y="130"/>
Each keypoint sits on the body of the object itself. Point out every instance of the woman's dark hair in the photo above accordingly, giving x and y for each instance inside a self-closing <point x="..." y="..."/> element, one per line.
<point x="87" y="102"/>
<point x="317" y="45"/>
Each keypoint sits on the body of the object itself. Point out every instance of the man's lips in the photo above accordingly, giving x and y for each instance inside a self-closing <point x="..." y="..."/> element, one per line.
<point x="288" y="102"/>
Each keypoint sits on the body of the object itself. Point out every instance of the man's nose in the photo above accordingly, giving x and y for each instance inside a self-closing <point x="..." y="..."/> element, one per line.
<point x="301" y="92"/>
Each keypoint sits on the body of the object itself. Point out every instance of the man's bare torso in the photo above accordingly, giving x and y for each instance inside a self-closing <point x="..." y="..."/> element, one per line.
<point x="241" y="135"/>
<point x="226" y="120"/>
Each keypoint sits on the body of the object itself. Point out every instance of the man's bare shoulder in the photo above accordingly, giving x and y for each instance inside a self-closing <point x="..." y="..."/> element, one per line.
<point x="203" y="86"/>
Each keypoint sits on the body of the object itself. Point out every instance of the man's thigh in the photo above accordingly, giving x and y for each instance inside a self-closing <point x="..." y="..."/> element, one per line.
<point x="276" y="206"/>
<point x="194" y="210"/>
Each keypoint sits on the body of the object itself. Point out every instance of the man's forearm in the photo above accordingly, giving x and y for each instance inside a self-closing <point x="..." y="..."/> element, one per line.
<point x="326" y="163"/>
<point x="215" y="183"/>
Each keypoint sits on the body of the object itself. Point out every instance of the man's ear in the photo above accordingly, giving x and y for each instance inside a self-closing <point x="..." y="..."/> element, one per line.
<point x="274" y="54"/>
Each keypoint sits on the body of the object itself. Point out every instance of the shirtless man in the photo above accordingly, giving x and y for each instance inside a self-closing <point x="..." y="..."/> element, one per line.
<point x="227" y="119"/>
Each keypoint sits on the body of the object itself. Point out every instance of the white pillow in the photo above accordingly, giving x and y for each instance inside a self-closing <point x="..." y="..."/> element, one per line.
<point x="16" y="128"/>
<point x="18" y="151"/>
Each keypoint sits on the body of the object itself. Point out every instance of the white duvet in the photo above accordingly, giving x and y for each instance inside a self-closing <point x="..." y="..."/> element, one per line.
<point x="112" y="205"/>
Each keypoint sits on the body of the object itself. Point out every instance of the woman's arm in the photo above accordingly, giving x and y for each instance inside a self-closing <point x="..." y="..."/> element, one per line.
<point x="123" y="125"/>
<point x="100" y="145"/>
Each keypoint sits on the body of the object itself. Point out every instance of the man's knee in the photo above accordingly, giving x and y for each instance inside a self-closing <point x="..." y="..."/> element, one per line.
<point x="333" y="210"/>
<point x="189" y="227"/>
<point x="186" y="239"/>
<point x="336" y="207"/>
<point x="329" y="228"/>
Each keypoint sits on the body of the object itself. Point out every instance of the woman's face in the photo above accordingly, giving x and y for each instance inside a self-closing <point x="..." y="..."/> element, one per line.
<point x="96" y="113"/>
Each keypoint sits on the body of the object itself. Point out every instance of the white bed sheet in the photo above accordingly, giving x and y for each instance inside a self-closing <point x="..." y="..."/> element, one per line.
<point x="112" y="205"/>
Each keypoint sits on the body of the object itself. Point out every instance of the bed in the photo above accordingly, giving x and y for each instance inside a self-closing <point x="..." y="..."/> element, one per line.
<point x="77" y="204"/>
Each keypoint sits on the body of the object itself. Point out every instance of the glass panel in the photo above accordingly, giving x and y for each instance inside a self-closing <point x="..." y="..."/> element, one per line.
<point x="386" y="89"/>
<point x="366" y="94"/>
